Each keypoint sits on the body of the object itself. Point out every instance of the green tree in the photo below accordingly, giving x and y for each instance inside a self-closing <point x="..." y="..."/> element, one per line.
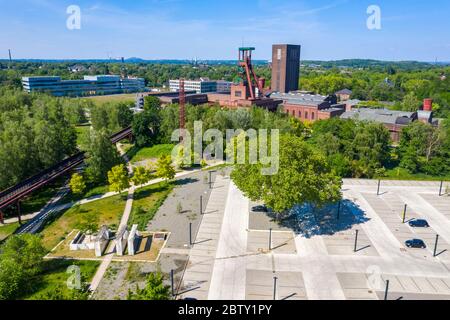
<point x="411" y="102"/>
<point x="21" y="259"/>
<point x="141" y="129"/>
<point x="124" y="115"/>
<point x="164" y="168"/>
<point x="118" y="178"/>
<point x="304" y="176"/>
<point x="101" y="156"/>
<point x="77" y="184"/>
<point x="155" y="289"/>
<point x="141" y="176"/>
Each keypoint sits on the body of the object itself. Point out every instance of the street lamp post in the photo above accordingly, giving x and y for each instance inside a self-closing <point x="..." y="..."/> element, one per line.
<point x="356" y="241"/>
<point x="387" y="290"/>
<point x="172" y="282"/>
<point x="210" y="179"/>
<point x="339" y="210"/>
<point x="379" y="185"/>
<point x="270" y="239"/>
<point x="440" y="188"/>
<point x="404" y="213"/>
<point x="275" y="288"/>
<point x="190" y="233"/>
<point x="435" y="246"/>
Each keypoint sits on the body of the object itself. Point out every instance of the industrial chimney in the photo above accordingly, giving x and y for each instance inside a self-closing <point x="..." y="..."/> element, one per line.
<point x="428" y="105"/>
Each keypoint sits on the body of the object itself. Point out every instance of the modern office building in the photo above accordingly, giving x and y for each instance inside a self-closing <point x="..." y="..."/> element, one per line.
<point x="202" y="85"/>
<point x="285" y="67"/>
<point x="90" y="85"/>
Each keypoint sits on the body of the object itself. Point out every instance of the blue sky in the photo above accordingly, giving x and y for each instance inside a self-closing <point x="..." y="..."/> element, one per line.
<point x="212" y="29"/>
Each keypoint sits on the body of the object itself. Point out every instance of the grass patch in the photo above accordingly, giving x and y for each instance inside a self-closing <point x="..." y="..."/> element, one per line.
<point x="153" y="152"/>
<point x="55" y="276"/>
<point x="7" y="230"/>
<point x="403" y="174"/>
<point x="147" y="202"/>
<point x="106" y="212"/>
<point x="126" y="97"/>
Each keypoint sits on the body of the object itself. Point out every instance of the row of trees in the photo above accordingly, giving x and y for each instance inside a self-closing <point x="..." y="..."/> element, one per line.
<point x="363" y="149"/>
<point x="406" y="89"/>
<point x="119" y="178"/>
<point x="395" y="82"/>
<point x="36" y="131"/>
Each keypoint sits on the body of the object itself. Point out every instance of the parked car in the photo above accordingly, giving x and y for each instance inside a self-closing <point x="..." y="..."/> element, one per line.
<point x="419" y="223"/>
<point x="260" y="209"/>
<point x="415" y="243"/>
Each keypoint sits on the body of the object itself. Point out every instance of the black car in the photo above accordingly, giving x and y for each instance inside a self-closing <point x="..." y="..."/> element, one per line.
<point x="415" y="243"/>
<point x="419" y="223"/>
<point x="260" y="209"/>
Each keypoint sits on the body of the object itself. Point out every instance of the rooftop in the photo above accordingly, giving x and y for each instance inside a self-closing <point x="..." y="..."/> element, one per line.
<point x="380" y="115"/>
<point x="301" y="98"/>
<point x="344" y="91"/>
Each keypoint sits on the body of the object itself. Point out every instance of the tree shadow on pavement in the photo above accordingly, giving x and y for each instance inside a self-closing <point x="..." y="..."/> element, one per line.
<point x="185" y="181"/>
<point x="307" y="222"/>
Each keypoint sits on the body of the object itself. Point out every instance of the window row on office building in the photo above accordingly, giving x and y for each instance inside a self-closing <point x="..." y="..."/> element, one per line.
<point x="90" y="85"/>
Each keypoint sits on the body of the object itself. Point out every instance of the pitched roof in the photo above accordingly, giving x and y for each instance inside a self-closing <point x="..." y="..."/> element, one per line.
<point x="379" y="115"/>
<point x="344" y="91"/>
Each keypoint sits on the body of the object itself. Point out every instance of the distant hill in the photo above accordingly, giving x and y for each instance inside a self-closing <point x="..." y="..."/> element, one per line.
<point x="345" y="63"/>
<point x="368" y="63"/>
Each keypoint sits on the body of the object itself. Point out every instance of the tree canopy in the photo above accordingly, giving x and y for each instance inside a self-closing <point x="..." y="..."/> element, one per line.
<point x="304" y="176"/>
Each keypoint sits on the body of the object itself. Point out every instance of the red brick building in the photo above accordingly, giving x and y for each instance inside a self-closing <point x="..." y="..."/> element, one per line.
<point x="309" y="107"/>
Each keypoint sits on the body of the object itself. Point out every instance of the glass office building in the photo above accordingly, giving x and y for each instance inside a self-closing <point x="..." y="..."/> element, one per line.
<point x="90" y="85"/>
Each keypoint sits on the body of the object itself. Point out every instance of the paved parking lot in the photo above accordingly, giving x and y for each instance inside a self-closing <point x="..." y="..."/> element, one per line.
<point x="260" y="285"/>
<point x="343" y="243"/>
<point x="314" y="257"/>
<point x="281" y="242"/>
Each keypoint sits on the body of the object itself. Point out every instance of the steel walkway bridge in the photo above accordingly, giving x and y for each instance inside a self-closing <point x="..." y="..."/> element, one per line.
<point x="13" y="195"/>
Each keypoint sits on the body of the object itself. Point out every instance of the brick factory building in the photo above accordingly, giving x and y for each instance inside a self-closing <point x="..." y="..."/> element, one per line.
<point x="393" y="120"/>
<point x="285" y="67"/>
<point x="309" y="107"/>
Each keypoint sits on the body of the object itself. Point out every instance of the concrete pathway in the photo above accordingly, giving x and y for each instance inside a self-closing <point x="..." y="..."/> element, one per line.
<point x="123" y="223"/>
<point x="197" y="276"/>
<point x="229" y="273"/>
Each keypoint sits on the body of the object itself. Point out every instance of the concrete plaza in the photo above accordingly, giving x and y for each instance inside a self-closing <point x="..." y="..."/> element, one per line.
<point x="315" y="258"/>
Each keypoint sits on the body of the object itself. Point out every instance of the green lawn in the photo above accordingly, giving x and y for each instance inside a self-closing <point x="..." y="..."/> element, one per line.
<point x="403" y="174"/>
<point x="127" y="97"/>
<point x="104" y="212"/>
<point x="153" y="152"/>
<point x="147" y="202"/>
<point x="7" y="230"/>
<point x="55" y="276"/>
